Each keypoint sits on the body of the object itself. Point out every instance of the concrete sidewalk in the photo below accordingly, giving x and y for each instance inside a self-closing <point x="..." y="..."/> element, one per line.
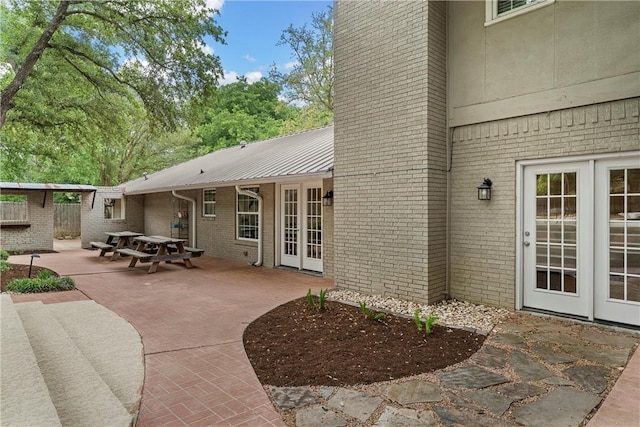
<point x="191" y="323"/>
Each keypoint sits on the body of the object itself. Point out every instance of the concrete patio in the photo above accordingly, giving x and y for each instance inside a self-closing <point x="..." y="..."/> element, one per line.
<point x="191" y="323"/>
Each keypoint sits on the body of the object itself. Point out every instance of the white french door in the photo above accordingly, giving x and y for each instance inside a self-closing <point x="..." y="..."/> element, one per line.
<point x="580" y="236"/>
<point x="617" y="270"/>
<point x="301" y="226"/>
<point x="556" y="238"/>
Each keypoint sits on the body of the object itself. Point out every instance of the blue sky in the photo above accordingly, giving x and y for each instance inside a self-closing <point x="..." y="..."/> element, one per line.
<point x="254" y="29"/>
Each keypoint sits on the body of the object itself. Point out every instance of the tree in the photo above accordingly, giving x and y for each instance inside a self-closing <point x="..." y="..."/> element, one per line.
<point x="311" y="79"/>
<point x="153" y="50"/>
<point x="242" y="111"/>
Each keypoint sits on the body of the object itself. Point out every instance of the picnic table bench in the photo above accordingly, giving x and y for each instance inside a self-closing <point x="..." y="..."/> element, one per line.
<point x="155" y="249"/>
<point x="115" y="240"/>
<point x="104" y="247"/>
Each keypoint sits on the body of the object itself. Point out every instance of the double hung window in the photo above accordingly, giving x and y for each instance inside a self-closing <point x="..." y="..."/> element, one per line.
<point x="209" y="202"/>
<point x="247" y="215"/>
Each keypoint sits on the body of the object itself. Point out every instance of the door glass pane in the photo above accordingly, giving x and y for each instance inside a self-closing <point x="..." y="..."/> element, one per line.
<point x="555" y="184"/>
<point x="624" y="234"/>
<point x="541" y="185"/>
<point x="633" y="181"/>
<point x="569" y="257"/>
<point x="633" y="288"/>
<point x="570" y="232"/>
<point x="616" y="182"/>
<point x="570" y="183"/>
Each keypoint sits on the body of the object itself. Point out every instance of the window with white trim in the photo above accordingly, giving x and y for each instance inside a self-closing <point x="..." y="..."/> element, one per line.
<point x="113" y="208"/>
<point x="209" y="202"/>
<point x="247" y="215"/>
<point x="499" y="10"/>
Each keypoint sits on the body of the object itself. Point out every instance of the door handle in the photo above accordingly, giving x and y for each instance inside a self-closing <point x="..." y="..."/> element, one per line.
<point x="527" y="243"/>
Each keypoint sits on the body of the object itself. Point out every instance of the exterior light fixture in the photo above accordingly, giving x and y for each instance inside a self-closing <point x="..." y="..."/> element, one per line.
<point x="327" y="199"/>
<point x="484" y="191"/>
<point x="31" y="263"/>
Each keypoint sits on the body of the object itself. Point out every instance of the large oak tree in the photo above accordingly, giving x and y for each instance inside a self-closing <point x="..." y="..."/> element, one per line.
<point x="153" y="50"/>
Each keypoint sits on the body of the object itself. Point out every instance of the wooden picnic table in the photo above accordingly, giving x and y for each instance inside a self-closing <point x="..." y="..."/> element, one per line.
<point x="156" y="249"/>
<point x="116" y="240"/>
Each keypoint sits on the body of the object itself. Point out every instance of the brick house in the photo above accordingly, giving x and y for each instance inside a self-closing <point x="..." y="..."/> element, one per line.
<point x="542" y="97"/>
<point x="261" y="202"/>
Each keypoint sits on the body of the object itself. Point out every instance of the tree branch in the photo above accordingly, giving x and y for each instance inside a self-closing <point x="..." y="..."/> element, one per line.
<point x="6" y="96"/>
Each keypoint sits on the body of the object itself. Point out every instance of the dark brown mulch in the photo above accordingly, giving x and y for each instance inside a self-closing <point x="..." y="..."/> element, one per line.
<point x="19" y="271"/>
<point x="295" y="345"/>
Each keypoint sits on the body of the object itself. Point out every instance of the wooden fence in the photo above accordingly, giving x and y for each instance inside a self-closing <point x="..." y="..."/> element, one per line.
<point x="66" y="217"/>
<point x="66" y="220"/>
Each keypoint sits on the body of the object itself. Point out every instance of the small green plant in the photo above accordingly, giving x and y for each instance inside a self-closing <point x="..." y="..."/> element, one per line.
<point x="45" y="282"/>
<point x="425" y="324"/>
<point x="4" y="255"/>
<point x="310" y="300"/>
<point x="370" y="314"/>
<point x="322" y="299"/>
<point x="4" y="265"/>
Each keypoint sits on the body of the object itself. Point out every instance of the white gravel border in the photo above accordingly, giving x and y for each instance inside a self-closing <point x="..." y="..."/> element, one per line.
<point x="452" y="313"/>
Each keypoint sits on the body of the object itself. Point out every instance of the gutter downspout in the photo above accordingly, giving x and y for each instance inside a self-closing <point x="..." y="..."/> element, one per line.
<point x="193" y="214"/>
<point x="239" y="190"/>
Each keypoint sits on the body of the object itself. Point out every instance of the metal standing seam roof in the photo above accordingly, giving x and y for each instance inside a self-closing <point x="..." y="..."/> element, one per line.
<point x="302" y="154"/>
<point x="26" y="186"/>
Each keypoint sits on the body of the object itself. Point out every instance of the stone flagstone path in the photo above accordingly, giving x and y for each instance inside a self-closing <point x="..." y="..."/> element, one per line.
<point x="530" y="371"/>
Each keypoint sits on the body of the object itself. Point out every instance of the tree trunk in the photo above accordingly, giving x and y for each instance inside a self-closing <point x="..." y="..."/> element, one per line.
<point x="6" y="96"/>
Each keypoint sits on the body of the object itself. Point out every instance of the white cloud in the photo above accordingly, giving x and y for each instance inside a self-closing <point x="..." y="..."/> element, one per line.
<point x="290" y="65"/>
<point x="228" y="78"/>
<point x="215" y="4"/>
<point x="232" y="77"/>
<point x="253" y="76"/>
<point x="206" y="49"/>
<point x="249" y="58"/>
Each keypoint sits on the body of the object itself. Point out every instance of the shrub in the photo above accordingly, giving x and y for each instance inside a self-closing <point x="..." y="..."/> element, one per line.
<point x="45" y="282"/>
<point x="4" y="255"/>
<point x="4" y="265"/>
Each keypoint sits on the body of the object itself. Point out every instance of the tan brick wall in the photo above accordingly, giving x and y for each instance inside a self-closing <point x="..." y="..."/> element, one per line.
<point x="327" y="233"/>
<point x="92" y="222"/>
<point x="39" y="234"/>
<point x="390" y="148"/>
<point x="217" y="235"/>
<point x="482" y="264"/>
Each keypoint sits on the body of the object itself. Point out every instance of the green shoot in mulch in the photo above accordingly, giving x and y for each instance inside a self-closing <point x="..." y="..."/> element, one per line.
<point x="425" y="324"/>
<point x="4" y="264"/>
<point x="44" y="282"/>
<point x="370" y="314"/>
<point x="322" y="299"/>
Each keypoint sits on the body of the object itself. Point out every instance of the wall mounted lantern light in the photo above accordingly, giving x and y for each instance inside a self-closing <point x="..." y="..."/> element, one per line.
<point x="484" y="191"/>
<point x="327" y="199"/>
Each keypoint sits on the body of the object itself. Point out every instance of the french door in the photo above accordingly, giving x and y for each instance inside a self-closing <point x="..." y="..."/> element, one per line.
<point x="301" y="226"/>
<point x="581" y="238"/>
<point x="556" y="238"/>
<point x="617" y="272"/>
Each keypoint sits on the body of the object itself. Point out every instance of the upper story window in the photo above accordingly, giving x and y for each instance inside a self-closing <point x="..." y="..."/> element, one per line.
<point x="499" y="10"/>
<point x="247" y="214"/>
<point x="113" y="208"/>
<point x="209" y="202"/>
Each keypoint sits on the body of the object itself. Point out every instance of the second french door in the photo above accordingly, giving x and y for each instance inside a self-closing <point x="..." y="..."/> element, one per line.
<point x="301" y="226"/>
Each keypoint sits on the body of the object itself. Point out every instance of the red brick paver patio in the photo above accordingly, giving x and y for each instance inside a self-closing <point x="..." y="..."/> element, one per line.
<point x="191" y="323"/>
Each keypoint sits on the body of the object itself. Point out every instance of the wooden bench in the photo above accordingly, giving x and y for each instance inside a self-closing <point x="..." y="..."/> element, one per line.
<point x="195" y="252"/>
<point x="142" y="256"/>
<point x="104" y="247"/>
